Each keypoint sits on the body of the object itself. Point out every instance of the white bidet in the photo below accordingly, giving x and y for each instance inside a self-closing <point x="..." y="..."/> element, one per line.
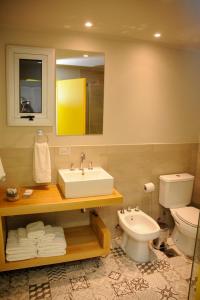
<point x="139" y="229"/>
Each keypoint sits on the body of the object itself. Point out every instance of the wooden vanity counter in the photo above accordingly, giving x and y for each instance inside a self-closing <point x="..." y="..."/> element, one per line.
<point x="82" y="242"/>
<point x="50" y="199"/>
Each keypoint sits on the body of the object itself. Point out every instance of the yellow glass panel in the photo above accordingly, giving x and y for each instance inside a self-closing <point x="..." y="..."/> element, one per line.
<point x="71" y="106"/>
<point x="198" y="287"/>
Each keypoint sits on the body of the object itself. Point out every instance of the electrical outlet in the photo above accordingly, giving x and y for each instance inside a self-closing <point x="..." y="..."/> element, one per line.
<point x="64" y="151"/>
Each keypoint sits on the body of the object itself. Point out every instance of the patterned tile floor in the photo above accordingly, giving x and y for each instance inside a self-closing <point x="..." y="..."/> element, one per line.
<point x="109" y="278"/>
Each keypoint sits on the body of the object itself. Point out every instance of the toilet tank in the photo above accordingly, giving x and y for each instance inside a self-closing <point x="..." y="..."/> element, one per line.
<point x="175" y="190"/>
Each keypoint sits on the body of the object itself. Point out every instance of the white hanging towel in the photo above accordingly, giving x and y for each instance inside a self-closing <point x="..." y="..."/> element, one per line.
<point x="42" y="163"/>
<point x="2" y="172"/>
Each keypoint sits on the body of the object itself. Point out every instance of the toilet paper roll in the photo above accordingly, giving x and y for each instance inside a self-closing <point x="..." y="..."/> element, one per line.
<point x="149" y="187"/>
<point x="2" y="173"/>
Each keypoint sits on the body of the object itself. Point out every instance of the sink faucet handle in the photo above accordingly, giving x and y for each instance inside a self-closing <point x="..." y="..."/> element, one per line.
<point x="72" y="167"/>
<point x="83" y="155"/>
<point x="82" y="159"/>
<point x="137" y="208"/>
<point x="129" y="208"/>
<point x="90" y="167"/>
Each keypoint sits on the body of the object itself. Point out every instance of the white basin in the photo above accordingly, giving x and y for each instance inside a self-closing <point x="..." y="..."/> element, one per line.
<point x="93" y="183"/>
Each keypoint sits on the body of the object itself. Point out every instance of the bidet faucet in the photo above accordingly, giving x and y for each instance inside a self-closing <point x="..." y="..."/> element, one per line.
<point x="81" y="162"/>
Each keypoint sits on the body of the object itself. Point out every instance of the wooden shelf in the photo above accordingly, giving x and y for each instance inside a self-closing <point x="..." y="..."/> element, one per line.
<point x="47" y="199"/>
<point x="82" y="242"/>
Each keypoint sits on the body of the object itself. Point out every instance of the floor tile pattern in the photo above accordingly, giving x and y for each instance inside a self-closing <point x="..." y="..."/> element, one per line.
<point x="115" y="277"/>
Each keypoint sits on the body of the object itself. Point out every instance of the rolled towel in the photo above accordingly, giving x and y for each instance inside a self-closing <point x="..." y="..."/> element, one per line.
<point x="35" y="230"/>
<point x="12" y="233"/>
<point x="23" y="239"/>
<point x="49" y="232"/>
<point x="58" y="241"/>
<point x="58" y="229"/>
<point x="12" y="237"/>
<point x="48" y="236"/>
<point x="22" y="235"/>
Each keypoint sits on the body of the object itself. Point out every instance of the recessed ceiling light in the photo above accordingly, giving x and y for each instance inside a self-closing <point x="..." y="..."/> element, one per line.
<point x="157" y="35"/>
<point x="85" y="55"/>
<point x="88" y="24"/>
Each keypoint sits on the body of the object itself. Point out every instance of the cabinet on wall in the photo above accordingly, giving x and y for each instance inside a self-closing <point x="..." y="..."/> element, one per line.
<point x="83" y="242"/>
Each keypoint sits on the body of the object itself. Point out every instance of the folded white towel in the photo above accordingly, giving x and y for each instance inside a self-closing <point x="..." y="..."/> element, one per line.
<point x="58" y="241"/>
<point x="42" y="163"/>
<point x="52" y="248"/>
<point x="35" y="230"/>
<point x="36" y="240"/>
<point x="48" y="254"/>
<point x="12" y="246"/>
<point x="21" y="251"/>
<point x="11" y="257"/>
<point x="60" y="244"/>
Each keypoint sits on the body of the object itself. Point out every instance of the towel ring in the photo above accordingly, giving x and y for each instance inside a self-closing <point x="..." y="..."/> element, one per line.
<point x="40" y="136"/>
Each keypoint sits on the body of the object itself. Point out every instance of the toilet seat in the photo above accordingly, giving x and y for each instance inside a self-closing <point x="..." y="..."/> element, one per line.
<point x="189" y="215"/>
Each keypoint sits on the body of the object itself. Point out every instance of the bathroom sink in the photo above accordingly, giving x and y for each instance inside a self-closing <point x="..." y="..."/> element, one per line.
<point x="94" y="182"/>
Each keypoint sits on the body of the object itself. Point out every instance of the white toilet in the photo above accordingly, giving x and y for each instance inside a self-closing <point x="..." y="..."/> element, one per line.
<point x="175" y="194"/>
<point x="139" y="229"/>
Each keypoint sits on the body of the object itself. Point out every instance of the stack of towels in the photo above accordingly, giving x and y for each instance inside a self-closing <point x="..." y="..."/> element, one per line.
<point x="36" y="240"/>
<point x="53" y="242"/>
<point x="18" y="246"/>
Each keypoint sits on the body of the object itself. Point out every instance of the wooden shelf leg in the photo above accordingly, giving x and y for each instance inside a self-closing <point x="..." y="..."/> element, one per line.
<point x="2" y="240"/>
<point x="102" y="232"/>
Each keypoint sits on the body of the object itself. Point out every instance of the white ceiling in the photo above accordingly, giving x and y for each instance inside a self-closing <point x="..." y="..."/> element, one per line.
<point x="177" y="20"/>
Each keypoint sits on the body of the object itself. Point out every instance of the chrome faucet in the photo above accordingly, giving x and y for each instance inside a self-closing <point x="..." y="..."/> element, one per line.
<point x="90" y="167"/>
<point x="128" y="209"/>
<point x="81" y="162"/>
<point x="72" y="167"/>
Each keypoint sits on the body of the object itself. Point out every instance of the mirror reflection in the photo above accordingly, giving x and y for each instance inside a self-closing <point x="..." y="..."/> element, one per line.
<point x="79" y="92"/>
<point x="30" y="86"/>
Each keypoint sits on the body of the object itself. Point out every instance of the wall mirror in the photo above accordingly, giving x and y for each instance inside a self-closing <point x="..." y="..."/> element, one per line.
<point x="79" y="92"/>
<point x="30" y="85"/>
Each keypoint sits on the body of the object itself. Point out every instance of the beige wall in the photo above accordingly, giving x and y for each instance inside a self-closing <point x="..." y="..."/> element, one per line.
<point x="151" y="92"/>
<point x="151" y="97"/>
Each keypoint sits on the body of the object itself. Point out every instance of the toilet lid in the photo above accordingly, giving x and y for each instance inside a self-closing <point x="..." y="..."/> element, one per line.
<point x="188" y="214"/>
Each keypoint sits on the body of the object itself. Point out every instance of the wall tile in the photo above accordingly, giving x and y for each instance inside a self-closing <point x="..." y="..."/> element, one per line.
<point x="131" y="165"/>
